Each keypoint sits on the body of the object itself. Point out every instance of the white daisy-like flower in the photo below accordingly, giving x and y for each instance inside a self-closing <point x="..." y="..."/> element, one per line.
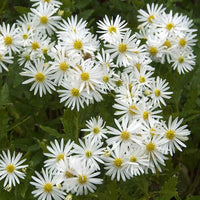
<point x="44" y="18"/>
<point x="25" y="58"/>
<point x="85" y="179"/>
<point x="57" y="152"/>
<point x="10" y="168"/>
<point x="111" y="27"/>
<point x="138" y="160"/>
<point x="89" y="152"/>
<point x="9" y="34"/>
<point x="72" y="94"/>
<point x="123" y="47"/>
<point x="159" y="91"/>
<point x="116" y="164"/>
<point x="45" y="185"/>
<point x="174" y="135"/>
<point x="96" y="129"/>
<point x="41" y="75"/>
<point x="125" y="134"/>
<point x="153" y="12"/>
<point x="183" y="61"/>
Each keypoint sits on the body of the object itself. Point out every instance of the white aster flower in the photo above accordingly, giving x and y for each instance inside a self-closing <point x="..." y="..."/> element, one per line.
<point x="57" y="152"/>
<point x="41" y="75"/>
<point x="10" y="168"/>
<point x="45" y="185"/>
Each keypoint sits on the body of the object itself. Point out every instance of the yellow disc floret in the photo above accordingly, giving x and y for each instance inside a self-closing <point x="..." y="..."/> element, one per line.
<point x="170" y="134"/>
<point x="122" y="48"/>
<point x="118" y="162"/>
<point x="60" y="157"/>
<point x="82" y="179"/>
<point x="106" y="79"/>
<point x="75" y="92"/>
<point x="25" y="36"/>
<point x="10" y="168"/>
<point x="35" y="45"/>
<point x="150" y="147"/>
<point x="125" y="135"/>
<point x="167" y="43"/>
<point x="63" y="66"/>
<point x="181" y="59"/>
<point x="96" y="130"/>
<point x="77" y="44"/>
<point x="182" y="42"/>
<point x="142" y="79"/>
<point x="153" y="51"/>
<point x="169" y="26"/>
<point x="8" y="40"/>
<point x="157" y="92"/>
<point x="44" y="20"/>
<point x="133" y="159"/>
<point x="39" y="77"/>
<point x="88" y="153"/>
<point x="68" y="174"/>
<point x="145" y="115"/>
<point x="112" y="29"/>
<point x="131" y="108"/>
<point x="48" y="187"/>
<point x="150" y="18"/>
<point x="85" y="76"/>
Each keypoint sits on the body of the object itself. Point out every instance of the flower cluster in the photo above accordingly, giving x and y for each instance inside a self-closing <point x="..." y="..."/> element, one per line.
<point x="64" y="54"/>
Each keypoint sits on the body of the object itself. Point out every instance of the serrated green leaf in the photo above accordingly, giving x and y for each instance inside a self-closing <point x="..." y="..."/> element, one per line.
<point x="168" y="190"/>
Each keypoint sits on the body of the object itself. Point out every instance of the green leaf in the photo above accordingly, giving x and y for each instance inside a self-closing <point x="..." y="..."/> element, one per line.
<point x="21" y="9"/>
<point x="51" y="131"/>
<point x="168" y="190"/>
<point x="4" y="95"/>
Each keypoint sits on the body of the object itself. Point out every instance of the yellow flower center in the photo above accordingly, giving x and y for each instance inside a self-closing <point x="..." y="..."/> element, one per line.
<point x="170" y="134"/>
<point x="44" y="20"/>
<point x="35" y="45"/>
<point x="27" y="57"/>
<point x="118" y="83"/>
<point x="157" y="92"/>
<point x="63" y="66"/>
<point x="153" y="51"/>
<point x="112" y="29"/>
<point x="169" y="26"/>
<point x="8" y="40"/>
<point x="142" y="79"/>
<point x="82" y="179"/>
<point x="125" y="135"/>
<point x="88" y="153"/>
<point x="85" y="76"/>
<point x="25" y="36"/>
<point x="75" y="92"/>
<point x="47" y="1"/>
<point x="118" y="162"/>
<point x="60" y="157"/>
<point x="48" y="187"/>
<point x="167" y="43"/>
<point x="106" y="79"/>
<point x="39" y="77"/>
<point x="68" y="174"/>
<point x="10" y="168"/>
<point x="181" y="59"/>
<point x="145" y="115"/>
<point x="133" y="159"/>
<point x="96" y="130"/>
<point x="131" y="108"/>
<point x="150" y="18"/>
<point x="150" y="147"/>
<point x="78" y="44"/>
<point x="122" y="47"/>
<point x="182" y="42"/>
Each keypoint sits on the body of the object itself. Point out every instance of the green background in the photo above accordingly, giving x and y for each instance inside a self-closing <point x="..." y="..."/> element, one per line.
<point x="28" y="123"/>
